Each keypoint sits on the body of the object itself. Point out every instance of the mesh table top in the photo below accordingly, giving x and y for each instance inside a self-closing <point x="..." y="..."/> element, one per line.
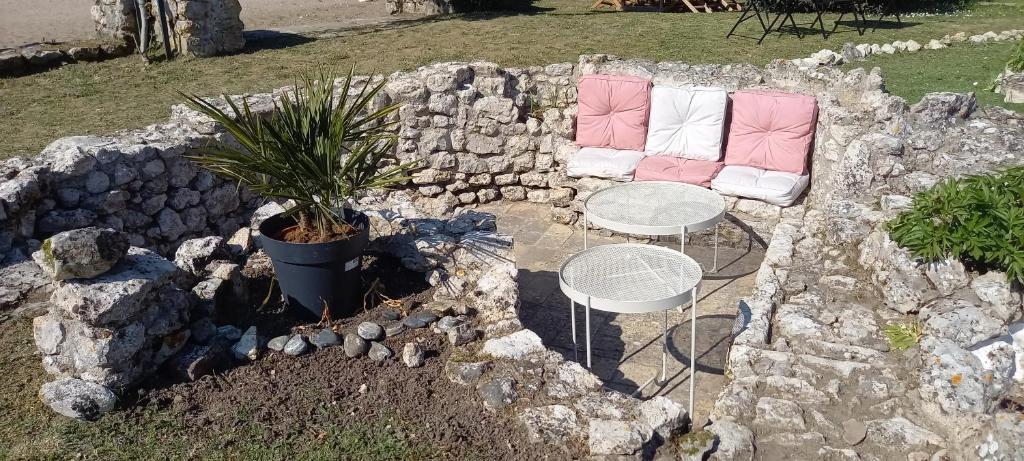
<point x="629" y="277"/>
<point x="655" y="207"/>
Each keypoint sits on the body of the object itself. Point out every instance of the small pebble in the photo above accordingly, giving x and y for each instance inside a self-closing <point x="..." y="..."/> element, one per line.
<point x="413" y="355"/>
<point x="230" y="332"/>
<point x="394" y="329"/>
<point x="325" y="338"/>
<point x="448" y="322"/>
<point x="355" y="346"/>
<point x="296" y="345"/>
<point x="390" y="314"/>
<point x="370" y="331"/>
<point x="379" y="352"/>
<point x="278" y="343"/>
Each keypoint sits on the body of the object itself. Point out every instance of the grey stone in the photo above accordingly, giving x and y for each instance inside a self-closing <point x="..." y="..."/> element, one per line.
<point x="379" y="352"/>
<point x="778" y="413"/>
<point x="663" y="416"/>
<point x="610" y="437"/>
<point x="735" y="441"/>
<point x="498" y="393"/>
<point x="394" y="329"/>
<point x="229" y="332"/>
<point x="413" y="355"/>
<point x="390" y="314"/>
<point x="994" y="288"/>
<point x="248" y="346"/>
<point x="515" y="346"/>
<point x="370" y="331"/>
<point x="413" y="322"/>
<point x="296" y="345"/>
<point x="552" y="424"/>
<point x="195" y="254"/>
<point x="325" y="338"/>
<point x="355" y="346"/>
<point x="171" y="226"/>
<point x="197" y="360"/>
<point x="695" y="446"/>
<point x="77" y="399"/>
<point x="466" y="373"/>
<point x="854" y="431"/>
<point x="900" y="435"/>
<point x="448" y="322"/>
<point x="81" y="253"/>
<point x="277" y="343"/>
<point x="462" y="334"/>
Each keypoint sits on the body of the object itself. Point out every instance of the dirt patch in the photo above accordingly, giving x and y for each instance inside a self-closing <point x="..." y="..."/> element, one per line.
<point x="306" y="397"/>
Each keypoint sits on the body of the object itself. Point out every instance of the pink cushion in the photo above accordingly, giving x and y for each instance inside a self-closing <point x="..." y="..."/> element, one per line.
<point x="771" y="130"/>
<point x="663" y="168"/>
<point x="613" y="111"/>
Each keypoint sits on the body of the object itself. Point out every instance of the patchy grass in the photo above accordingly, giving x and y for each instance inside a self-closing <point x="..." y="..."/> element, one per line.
<point x="123" y="93"/>
<point x="160" y="430"/>
<point x="961" y="68"/>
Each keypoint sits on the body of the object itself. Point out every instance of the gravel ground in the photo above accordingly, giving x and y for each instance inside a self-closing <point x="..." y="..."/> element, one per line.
<point x="32" y="21"/>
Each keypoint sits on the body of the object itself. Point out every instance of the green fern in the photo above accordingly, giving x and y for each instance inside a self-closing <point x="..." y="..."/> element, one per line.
<point x="976" y="219"/>
<point x="903" y="336"/>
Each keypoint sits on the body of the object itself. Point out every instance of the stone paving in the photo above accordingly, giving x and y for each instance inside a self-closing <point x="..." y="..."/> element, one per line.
<point x="627" y="348"/>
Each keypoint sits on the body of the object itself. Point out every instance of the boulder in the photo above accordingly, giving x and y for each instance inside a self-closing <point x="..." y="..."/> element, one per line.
<point x="195" y="254"/>
<point x="77" y="399"/>
<point x="81" y="253"/>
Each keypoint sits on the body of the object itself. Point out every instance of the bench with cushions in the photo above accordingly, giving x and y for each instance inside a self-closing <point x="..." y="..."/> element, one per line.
<point x="629" y="130"/>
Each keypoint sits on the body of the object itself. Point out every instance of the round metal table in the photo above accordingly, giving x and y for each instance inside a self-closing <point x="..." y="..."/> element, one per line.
<point x="655" y="208"/>
<point x="633" y="278"/>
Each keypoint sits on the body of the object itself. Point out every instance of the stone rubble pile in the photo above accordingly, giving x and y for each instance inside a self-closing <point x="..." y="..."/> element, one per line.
<point x="116" y="314"/>
<point x="858" y="52"/>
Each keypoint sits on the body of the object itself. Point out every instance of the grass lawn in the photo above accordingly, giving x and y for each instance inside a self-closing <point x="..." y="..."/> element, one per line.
<point x="124" y="93"/>
<point x="961" y="69"/>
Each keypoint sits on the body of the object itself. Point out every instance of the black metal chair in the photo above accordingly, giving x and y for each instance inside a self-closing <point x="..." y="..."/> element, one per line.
<point x="858" y="8"/>
<point x="887" y="8"/>
<point x="751" y="9"/>
<point x="763" y="11"/>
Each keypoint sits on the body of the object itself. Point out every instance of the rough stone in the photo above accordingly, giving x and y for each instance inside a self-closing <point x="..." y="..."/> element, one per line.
<point x="413" y="355"/>
<point x="78" y="399"/>
<point x="81" y="253"/>
<point x="379" y="352"/>
<point x="325" y="338"/>
<point x="355" y="346"/>
<point x="296" y="345"/>
<point x="370" y="331"/>
<point x="498" y="393"/>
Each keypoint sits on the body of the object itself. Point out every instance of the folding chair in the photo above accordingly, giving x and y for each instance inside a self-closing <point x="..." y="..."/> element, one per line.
<point x="887" y="8"/>
<point x="783" y="10"/>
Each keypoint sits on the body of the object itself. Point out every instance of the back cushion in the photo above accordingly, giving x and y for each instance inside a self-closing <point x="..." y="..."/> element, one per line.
<point x="771" y="130"/>
<point x="687" y="122"/>
<point x="613" y="112"/>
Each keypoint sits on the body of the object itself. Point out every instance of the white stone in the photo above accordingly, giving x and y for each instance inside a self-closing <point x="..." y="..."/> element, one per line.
<point x="515" y="346"/>
<point x="77" y="399"/>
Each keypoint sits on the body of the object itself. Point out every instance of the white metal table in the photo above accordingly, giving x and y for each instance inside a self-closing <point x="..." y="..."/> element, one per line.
<point x="633" y="278"/>
<point x="655" y="208"/>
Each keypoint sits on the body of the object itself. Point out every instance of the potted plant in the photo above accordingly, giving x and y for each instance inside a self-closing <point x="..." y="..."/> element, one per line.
<point x="317" y="148"/>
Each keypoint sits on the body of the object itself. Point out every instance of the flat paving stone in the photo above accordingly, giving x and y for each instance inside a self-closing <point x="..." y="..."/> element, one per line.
<point x="627" y="349"/>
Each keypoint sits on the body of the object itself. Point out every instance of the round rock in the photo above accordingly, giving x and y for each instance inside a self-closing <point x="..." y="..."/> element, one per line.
<point x="448" y="322"/>
<point x="413" y="323"/>
<point x="390" y="314"/>
<point x="854" y="431"/>
<point x="296" y="345"/>
<point x="277" y="343"/>
<point x="370" y="331"/>
<point x="325" y="338"/>
<point x="426" y="317"/>
<point x="78" y="399"/>
<point x="355" y="346"/>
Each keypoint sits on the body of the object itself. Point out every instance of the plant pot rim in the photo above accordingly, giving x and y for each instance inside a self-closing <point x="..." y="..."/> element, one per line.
<point x="355" y="214"/>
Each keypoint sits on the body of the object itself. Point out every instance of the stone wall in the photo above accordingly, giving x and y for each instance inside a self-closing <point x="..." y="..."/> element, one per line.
<point x="201" y="27"/>
<point x="418" y="6"/>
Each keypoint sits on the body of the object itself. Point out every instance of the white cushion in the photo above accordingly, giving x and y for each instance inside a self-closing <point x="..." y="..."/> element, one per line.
<point x="687" y="122"/>
<point x="606" y="163"/>
<point x="775" y="187"/>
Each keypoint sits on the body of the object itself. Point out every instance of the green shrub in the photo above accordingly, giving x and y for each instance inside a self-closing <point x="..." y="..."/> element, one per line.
<point x="1016" y="63"/>
<point x="976" y="219"/>
<point x="903" y="336"/>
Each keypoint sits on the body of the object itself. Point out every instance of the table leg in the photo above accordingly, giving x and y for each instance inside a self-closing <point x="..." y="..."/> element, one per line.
<point x="585" y="225"/>
<point x="572" y="317"/>
<point x="714" y="265"/>
<point x="589" y="366"/>
<point x="693" y="346"/>
<point x="664" y="348"/>
<point x="682" y="241"/>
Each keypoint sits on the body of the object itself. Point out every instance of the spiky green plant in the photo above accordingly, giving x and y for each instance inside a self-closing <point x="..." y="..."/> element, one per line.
<point x="1016" y="63"/>
<point x="903" y="336"/>
<point x="976" y="219"/>
<point x="319" y="146"/>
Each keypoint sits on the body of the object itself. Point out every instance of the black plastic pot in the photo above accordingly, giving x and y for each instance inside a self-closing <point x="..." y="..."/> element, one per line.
<point x="313" y="275"/>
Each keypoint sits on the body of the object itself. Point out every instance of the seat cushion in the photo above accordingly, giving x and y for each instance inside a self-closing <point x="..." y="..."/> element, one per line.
<point x="661" y="168"/>
<point x="771" y="130"/>
<point x="775" y="187"/>
<point x="687" y="122"/>
<point x="613" y="112"/>
<point x="606" y="163"/>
